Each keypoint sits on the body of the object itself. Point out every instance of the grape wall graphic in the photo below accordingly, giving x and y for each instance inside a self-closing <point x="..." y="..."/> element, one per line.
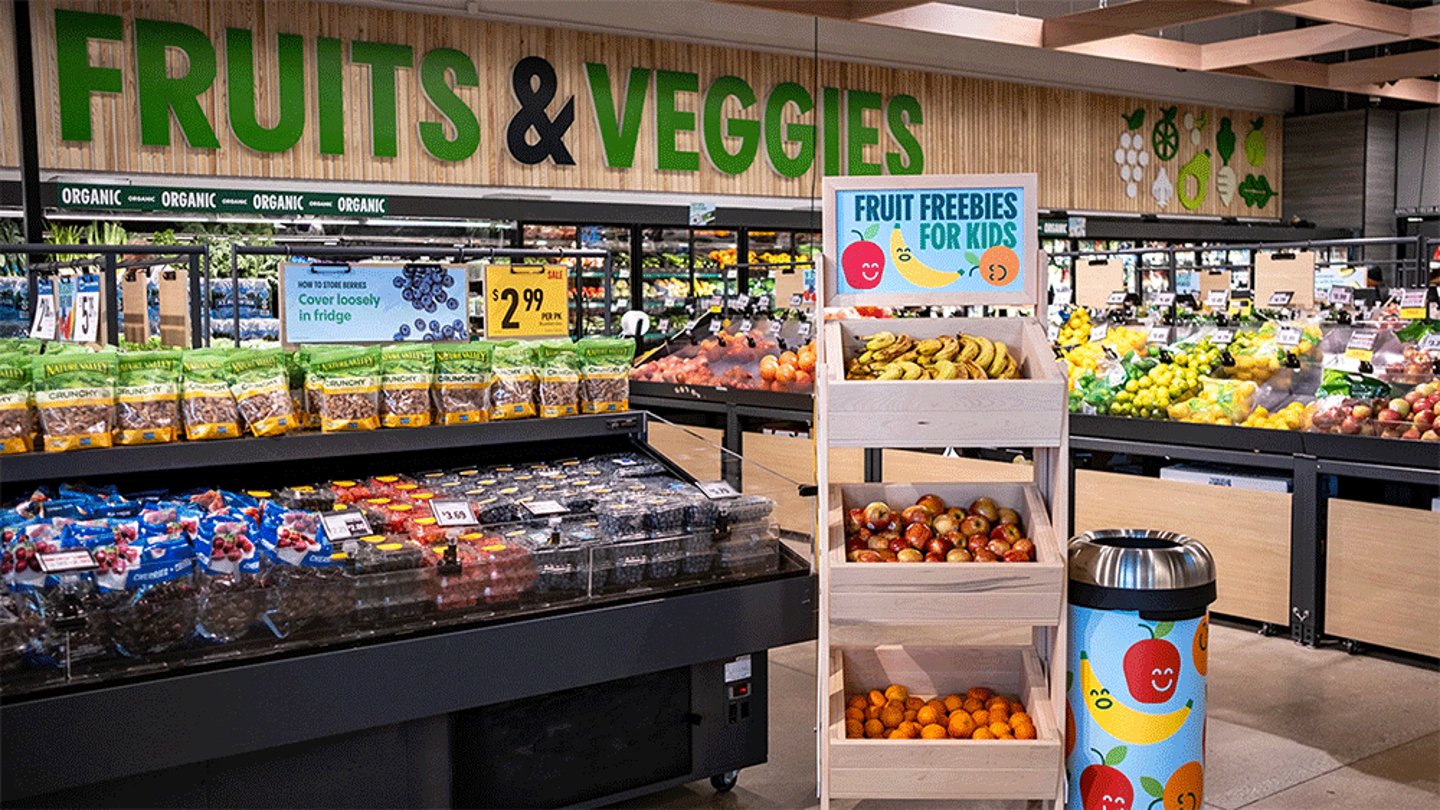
<point x="288" y="89"/>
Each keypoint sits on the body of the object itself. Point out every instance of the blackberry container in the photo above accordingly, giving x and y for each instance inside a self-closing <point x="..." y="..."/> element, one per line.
<point x="233" y="607"/>
<point x="390" y="583"/>
<point x="306" y="498"/>
<point x="561" y="563"/>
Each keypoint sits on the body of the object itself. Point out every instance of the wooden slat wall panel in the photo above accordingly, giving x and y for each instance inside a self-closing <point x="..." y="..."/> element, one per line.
<point x="1325" y="164"/>
<point x="9" y="117"/>
<point x="970" y="125"/>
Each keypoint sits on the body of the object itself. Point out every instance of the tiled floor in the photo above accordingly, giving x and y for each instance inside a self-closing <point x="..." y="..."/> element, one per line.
<point x="1289" y="728"/>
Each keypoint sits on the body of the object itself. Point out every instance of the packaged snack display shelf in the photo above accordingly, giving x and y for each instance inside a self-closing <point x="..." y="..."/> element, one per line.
<point x="412" y="714"/>
<point x="863" y="605"/>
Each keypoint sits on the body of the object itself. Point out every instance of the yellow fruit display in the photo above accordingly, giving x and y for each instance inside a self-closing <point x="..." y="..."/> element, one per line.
<point x="1290" y="417"/>
<point x="1221" y="402"/>
<point x="892" y="356"/>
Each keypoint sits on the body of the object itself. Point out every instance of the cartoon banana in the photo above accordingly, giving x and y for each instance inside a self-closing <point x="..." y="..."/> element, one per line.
<point x="1122" y="722"/>
<point x="914" y="271"/>
<point x="1002" y="356"/>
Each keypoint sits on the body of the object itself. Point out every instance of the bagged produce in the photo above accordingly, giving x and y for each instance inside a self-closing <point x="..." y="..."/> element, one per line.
<point x="463" y="374"/>
<point x="513" y="394"/>
<point x="159" y="603"/>
<point x="605" y="374"/>
<point x="147" y="396"/>
<point x="1337" y="382"/>
<point x="234" y="598"/>
<point x="75" y="398"/>
<point x="558" y="363"/>
<point x="407" y="372"/>
<point x="17" y="416"/>
<point x="206" y="403"/>
<point x="348" y="387"/>
<point x="261" y="387"/>
<point x="1221" y="402"/>
<point x="312" y="584"/>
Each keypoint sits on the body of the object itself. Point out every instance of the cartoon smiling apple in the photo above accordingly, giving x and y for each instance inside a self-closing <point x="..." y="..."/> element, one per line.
<point x="1152" y="666"/>
<point x="863" y="261"/>
<point x="1104" y="786"/>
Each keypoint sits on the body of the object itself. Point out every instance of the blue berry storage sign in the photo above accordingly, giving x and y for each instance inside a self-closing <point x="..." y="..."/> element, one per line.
<point x="373" y="302"/>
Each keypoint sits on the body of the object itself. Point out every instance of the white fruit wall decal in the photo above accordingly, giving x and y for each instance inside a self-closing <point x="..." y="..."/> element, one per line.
<point x="1162" y="189"/>
<point x="1131" y="155"/>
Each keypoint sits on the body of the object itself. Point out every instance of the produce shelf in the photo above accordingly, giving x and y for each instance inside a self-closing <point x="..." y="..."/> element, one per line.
<point x="943" y="769"/>
<point x="1029" y="412"/>
<point x="675" y="395"/>
<point x="1029" y="594"/>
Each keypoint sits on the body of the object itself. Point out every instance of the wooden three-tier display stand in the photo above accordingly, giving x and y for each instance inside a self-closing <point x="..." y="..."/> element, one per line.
<point x="893" y="604"/>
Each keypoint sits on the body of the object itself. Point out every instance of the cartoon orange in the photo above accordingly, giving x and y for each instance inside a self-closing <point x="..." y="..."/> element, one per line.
<point x="999" y="265"/>
<point x="1200" y="646"/>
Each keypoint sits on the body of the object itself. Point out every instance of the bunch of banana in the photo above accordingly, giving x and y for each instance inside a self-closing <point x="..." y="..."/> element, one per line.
<point x="888" y="356"/>
<point x="987" y="359"/>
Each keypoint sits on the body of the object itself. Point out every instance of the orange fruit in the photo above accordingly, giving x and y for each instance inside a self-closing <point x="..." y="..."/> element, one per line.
<point x="872" y="713"/>
<point x="913" y="703"/>
<point x="910" y="715"/>
<point x="938" y="705"/>
<point x="1024" y="731"/>
<point x="928" y="716"/>
<point x="874" y="729"/>
<point x="789" y="359"/>
<point x="998" y="701"/>
<point x="982" y="734"/>
<point x="999" y="729"/>
<point x="1006" y="736"/>
<point x="953" y="702"/>
<point x="853" y="713"/>
<point x="893" y="714"/>
<point x="911" y="729"/>
<point x="854" y="729"/>
<point x="857" y="702"/>
<point x="768" y="366"/>
<point x="972" y="705"/>
<point x="786" y="374"/>
<point x="999" y="715"/>
<point x="980" y="693"/>
<point x="933" y="732"/>
<point x="981" y="718"/>
<point x="1020" y="717"/>
<point x="877" y="698"/>
<point x="961" y="726"/>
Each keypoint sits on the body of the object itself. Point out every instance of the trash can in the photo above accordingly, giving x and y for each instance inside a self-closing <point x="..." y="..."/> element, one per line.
<point x="1135" y="689"/>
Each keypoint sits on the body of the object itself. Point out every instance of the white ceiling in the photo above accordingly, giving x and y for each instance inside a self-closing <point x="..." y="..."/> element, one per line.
<point x="760" y="29"/>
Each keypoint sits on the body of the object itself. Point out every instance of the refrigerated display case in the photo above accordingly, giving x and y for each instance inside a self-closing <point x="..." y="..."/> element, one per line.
<point x="666" y="275"/>
<point x="593" y="280"/>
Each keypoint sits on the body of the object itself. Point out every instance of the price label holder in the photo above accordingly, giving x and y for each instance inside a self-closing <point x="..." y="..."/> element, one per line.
<point x="796" y="299"/>
<point x="1116" y="298"/>
<point x="763" y="303"/>
<point x="664" y="326"/>
<point x="804" y="330"/>
<point x="1280" y="299"/>
<point x="1217" y="299"/>
<point x="1098" y="332"/>
<point x="742" y="301"/>
<point x="42" y="326"/>
<point x="1223" y="337"/>
<point x="86" y="317"/>
<point x="1053" y="332"/>
<point x="525" y="301"/>
<point x="1288" y="336"/>
<point x="544" y="508"/>
<point x="1430" y="342"/>
<point x="717" y="490"/>
<point x="1158" y="334"/>
<point x="716" y="326"/>
<point x="774" y="328"/>
<point x="347" y="524"/>
<point x="1340" y="295"/>
<point x="715" y="303"/>
<point x="1412" y="304"/>
<point x="450" y="513"/>
<point x="69" y="561"/>
<point x="746" y="325"/>
<point x="1361" y="345"/>
<point x="1163" y="299"/>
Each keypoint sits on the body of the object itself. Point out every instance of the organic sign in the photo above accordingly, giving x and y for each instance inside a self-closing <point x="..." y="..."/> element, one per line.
<point x="944" y="238"/>
<point x="94" y="197"/>
<point x="373" y="303"/>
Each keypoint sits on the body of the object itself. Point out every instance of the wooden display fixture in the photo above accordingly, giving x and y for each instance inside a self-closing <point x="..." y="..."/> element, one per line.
<point x="1373" y="597"/>
<point x="887" y="604"/>
<point x="943" y="769"/>
<point x="940" y="413"/>
<point x="929" y="593"/>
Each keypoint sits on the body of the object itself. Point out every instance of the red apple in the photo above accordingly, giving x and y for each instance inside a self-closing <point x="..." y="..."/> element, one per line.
<point x="933" y="503"/>
<point x="957" y="513"/>
<point x="918" y="534"/>
<point x="998" y="547"/>
<point x="1402" y="406"/>
<point x="916" y="514"/>
<point x="1024" y="546"/>
<point x="938" y="545"/>
<point x="986" y="555"/>
<point x="1391" y="415"/>
<point x="887" y="556"/>
<point x="959" y="555"/>
<point x="973" y="525"/>
<point x="1411" y="397"/>
<point x="868" y="557"/>
<point x="877" y="542"/>
<point x="1430" y="436"/>
<point x="945" y="524"/>
<point x="854" y="519"/>
<point x="910" y="555"/>
<point x="933" y="557"/>
<point x="855" y="544"/>
<point x="1424" y="419"/>
<point x="986" y="508"/>
<point x="1362" y="411"/>
<point x="1008" y="515"/>
<point x="898" y="545"/>
<point x="877" y="516"/>
<point x="976" y="543"/>
<point x="1411" y="434"/>
<point x="1008" y="532"/>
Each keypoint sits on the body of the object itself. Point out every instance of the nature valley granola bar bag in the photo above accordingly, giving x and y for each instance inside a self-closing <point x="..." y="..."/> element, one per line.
<point x="513" y="394"/>
<point x="147" y="396"/>
<point x="17" y="417"/>
<point x="407" y="370"/>
<point x="348" y="385"/>
<point x="462" y="382"/>
<point x="206" y="403"/>
<point x="605" y="374"/>
<point x="559" y="372"/>
<point x="75" y="397"/>
<point x="261" y="387"/>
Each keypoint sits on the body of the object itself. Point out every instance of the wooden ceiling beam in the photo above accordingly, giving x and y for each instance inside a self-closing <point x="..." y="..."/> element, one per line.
<point x="1315" y="74"/>
<point x="1386" y="68"/>
<point x="1425" y="23"/>
<point x="1316" y="39"/>
<point x="1354" y="13"/>
<point x="963" y="22"/>
<point x="1422" y="90"/>
<point x="1134" y="17"/>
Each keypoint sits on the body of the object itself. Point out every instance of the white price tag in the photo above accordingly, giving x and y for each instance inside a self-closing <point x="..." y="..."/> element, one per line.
<point x="1216" y="299"/>
<point x="1341" y="295"/>
<point x="1362" y="339"/>
<point x="1099" y="331"/>
<point x="665" y="325"/>
<point x="65" y="562"/>
<point x="715" y="326"/>
<point x="345" y="525"/>
<point x="450" y="513"/>
<point x="717" y="490"/>
<point x="87" y="310"/>
<point x="1288" y="336"/>
<point x="1280" y="299"/>
<point x="1430" y="343"/>
<point x="1412" y="304"/>
<point x="1223" y="337"/>
<point x="774" y="327"/>
<point x="43" y="325"/>
<point x="804" y="329"/>
<point x="1116" y="298"/>
<point x="1053" y="332"/>
<point x="544" y="508"/>
<point x="742" y="301"/>
<point x="796" y="299"/>
<point x="1158" y="334"/>
<point x="746" y="325"/>
<point x="1163" y="299"/>
<point x="762" y="302"/>
<point x="714" y="302"/>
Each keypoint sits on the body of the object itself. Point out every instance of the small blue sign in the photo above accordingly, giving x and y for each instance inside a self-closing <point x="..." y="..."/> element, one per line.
<point x="374" y="303"/>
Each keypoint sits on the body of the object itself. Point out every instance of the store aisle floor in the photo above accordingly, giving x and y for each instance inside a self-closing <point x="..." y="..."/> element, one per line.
<point x="1289" y="728"/>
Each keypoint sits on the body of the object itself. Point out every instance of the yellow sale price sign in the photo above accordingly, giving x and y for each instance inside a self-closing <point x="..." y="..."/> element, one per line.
<point x="525" y="301"/>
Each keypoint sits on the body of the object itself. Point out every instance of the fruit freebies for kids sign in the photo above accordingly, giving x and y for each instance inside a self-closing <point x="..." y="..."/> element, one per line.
<point x="919" y="240"/>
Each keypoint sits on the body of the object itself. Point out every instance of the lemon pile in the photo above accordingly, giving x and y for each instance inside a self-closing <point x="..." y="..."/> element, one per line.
<point x="1290" y="417"/>
<point x="1221" y="402"/>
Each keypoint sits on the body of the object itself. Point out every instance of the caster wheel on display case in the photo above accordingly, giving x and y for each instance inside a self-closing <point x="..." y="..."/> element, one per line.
<point x="724" y="782"/>
<point x="1351" y="646"/>
<point x="1267" y="630"/>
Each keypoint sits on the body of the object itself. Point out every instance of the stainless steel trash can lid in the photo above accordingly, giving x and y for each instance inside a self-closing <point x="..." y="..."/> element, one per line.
<point x="1140" y="569"/>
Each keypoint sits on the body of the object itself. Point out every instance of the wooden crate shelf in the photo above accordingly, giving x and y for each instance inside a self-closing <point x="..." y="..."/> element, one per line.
<point x="943" y="769"/>
<point x="1029" y="412"/>
<point x="944" y="593"/>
